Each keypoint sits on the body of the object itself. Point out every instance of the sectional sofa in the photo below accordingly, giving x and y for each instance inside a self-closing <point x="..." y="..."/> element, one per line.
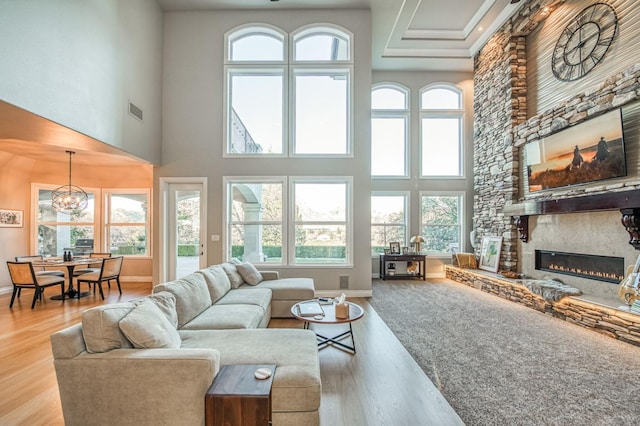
<point x="150" y="361"/>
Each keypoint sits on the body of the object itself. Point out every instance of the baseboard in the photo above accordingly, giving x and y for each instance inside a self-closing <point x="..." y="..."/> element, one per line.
<point x="134" y="279"/>
<point x="348" y="293"/>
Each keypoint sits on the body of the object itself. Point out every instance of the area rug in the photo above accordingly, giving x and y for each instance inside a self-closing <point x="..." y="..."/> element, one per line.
<point x="500" y="363"/>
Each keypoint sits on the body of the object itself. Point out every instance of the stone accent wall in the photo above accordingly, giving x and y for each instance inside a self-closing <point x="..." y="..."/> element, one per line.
<point x="611" y="322"/>
<point x="500" y="104"/>
<point x="501" y="126"/>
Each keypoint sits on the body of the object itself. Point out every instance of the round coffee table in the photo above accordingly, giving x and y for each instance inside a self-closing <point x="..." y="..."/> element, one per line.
<point x="329" y="317"/>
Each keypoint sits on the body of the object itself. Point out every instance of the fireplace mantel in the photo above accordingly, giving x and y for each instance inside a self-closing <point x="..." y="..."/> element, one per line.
<point x="628" y="202"/>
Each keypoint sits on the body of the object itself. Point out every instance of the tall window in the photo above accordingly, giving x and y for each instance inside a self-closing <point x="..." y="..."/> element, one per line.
<point x="441" y="221"/>
<point x="255" y="218"/>
<point x="56" y="232"/>
<point x="311" y="226"/>
<point x="127" y="222"/>
<point x="441" y="118"/>
<point x="388" y="219"/>
<point x="262" y="81"/>
<point x="389" y="135"/>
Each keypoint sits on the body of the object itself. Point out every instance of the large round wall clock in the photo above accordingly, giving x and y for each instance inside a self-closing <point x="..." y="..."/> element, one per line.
<point x="584" y="42"/>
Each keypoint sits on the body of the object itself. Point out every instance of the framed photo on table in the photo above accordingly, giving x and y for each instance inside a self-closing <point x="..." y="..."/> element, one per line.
<point x="11" y="218"/>
<point x="490" y="253"/>
<point x="394" y="248"/>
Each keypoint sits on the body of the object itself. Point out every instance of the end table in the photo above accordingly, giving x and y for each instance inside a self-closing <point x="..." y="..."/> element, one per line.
<point x="237" y="398"/>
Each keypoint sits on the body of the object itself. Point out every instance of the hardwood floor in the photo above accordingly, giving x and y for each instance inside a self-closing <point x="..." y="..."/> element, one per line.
<point x="380" y="385"/>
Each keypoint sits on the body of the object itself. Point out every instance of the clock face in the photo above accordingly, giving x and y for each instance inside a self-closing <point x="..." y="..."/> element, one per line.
<point x="584" y="42"/>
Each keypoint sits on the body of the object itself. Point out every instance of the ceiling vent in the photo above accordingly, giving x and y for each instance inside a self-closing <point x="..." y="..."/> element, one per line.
<point x="134" y="111"/>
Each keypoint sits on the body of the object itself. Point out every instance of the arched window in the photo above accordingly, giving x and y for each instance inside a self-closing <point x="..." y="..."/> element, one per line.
<point x="288" y="107"/>
<point x="256" y="44"/>
<point x="389" y="130"/>
<point x="441" y="118"/>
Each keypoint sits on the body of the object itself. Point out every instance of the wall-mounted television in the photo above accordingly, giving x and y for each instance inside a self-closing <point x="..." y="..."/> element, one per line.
<point x="590" y="151"/>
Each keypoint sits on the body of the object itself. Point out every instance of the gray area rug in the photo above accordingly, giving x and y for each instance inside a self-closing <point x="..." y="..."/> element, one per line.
<point x="500" y="363"/>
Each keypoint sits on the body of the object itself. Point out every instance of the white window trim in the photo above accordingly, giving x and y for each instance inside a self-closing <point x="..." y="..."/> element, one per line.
<point x="407" y="209"/>
<point x="97" y="219"/>
<point x="317" y="71"/>
<point x="461" y="215"/>
<point x="226" y="214"/>
<point x="106" y="236"/>
<point x="404" y="113"/>
<point x="348" y="180"/>
<point x="443" y="113"/>
<point x="263" y="70"/>
<point x="291" y="68"/>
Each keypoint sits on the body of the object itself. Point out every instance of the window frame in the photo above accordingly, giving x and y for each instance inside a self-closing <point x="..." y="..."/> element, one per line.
<point x="407" y="212"/>
<point x="460" y="195"/>
<point x="394" y="113"/>
<point x="348" y="182"/>
<point x="290" y="68"/>
<point x="35" y="223"/>
<point x="443" y="113"/>
<point x="107" y="224"/>
<point x="228" y="182"/>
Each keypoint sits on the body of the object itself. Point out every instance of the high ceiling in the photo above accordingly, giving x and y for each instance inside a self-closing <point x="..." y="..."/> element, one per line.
<point x="428" y="35"/>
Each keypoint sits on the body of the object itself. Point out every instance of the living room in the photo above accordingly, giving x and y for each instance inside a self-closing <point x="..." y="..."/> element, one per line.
<point x="171" y="64"/>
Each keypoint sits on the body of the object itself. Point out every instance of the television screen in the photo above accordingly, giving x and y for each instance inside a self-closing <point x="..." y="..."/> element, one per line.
<point x="590" y="151"/>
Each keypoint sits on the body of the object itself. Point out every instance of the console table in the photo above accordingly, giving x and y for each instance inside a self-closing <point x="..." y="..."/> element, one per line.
<point x="394" y="266"/>
<point x="236" y="397"/>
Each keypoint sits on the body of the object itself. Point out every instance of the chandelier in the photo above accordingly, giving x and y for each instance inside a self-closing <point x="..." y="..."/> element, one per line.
<point x="69" y="198"/>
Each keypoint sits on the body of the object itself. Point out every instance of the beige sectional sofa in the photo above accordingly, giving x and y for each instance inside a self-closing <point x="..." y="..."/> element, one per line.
<point x="150" y="361"/>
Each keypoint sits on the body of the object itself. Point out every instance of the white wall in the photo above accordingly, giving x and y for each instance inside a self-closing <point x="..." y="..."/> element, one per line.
<point x="79" y="62"/>
<point x="193" y="101"/>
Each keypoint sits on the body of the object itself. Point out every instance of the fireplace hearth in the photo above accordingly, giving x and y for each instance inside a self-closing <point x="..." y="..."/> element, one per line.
<point x="600" y="268"/>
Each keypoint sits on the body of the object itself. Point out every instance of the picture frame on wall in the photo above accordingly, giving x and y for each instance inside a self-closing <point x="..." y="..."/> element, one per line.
<point x="394" y="248"/>
<point x="490" y="253"/>
<point x="11" y="218"/>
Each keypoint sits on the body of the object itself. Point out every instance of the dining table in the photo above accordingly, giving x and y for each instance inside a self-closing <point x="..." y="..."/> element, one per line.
<point x="71" y="292"/>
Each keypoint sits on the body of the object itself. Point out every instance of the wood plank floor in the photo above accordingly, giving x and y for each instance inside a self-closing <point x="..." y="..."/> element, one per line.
<point x="380" y="385"/>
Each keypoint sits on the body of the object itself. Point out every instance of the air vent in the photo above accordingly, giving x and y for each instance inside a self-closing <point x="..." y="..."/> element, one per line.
<point x="134" y="111"/>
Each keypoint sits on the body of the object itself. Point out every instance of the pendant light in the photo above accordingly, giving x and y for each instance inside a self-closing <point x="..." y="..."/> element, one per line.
<point x="69" y="198"/>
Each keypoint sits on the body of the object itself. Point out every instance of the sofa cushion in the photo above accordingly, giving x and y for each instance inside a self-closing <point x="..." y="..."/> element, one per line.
<point x="287" y="288"/>
<point x="222" y="317"/>
<point x="147" y="328"/>
<point x="249" y="273"/>
<point x="192" y="296"/>
<point x="232" y="273"/>
<point x="217" y="281"/>
<point x="166" y="302"/>
<point x="251" y="296"/>
<point x="296" y="383"/>
<point x="100" y="327"/>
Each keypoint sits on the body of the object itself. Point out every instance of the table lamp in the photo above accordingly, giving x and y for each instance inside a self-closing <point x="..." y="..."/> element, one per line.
<point x="417" y="241"/>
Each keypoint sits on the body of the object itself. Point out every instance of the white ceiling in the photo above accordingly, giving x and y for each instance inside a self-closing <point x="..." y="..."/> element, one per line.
<point x="427" y="35"/>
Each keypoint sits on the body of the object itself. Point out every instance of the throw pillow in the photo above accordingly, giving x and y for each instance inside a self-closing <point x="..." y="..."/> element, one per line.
<point x="249" y="273"/>
<point x="232" y="272"/>
<point x="147" y="327"/>
<point x="100" y="327"/>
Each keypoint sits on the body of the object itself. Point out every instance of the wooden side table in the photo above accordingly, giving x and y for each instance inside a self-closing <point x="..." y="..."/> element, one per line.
<point x="237" y="398"/>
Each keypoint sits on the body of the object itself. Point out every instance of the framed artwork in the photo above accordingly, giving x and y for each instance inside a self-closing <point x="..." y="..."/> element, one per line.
<point x="590" y="151"/>
<point x="394" y="248"/>
<point x="490" y="253"/>
<point x="11" y="218"/>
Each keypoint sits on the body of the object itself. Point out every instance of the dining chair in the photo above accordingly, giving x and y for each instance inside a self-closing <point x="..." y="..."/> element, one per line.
<point x="93" y="267"/>
<point x="110" y="270"/>
<point x="40" y="270"/>
<point x="24" y="276"/>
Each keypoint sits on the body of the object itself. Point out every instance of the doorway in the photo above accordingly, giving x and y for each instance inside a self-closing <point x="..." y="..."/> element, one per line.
<point x="183" y="227"/>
